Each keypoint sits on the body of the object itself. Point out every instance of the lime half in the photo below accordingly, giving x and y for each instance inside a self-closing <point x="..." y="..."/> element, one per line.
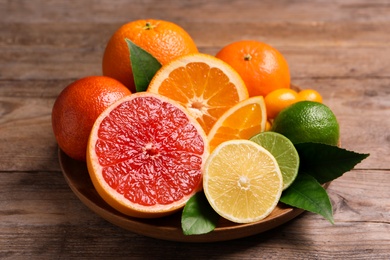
<point x="284" y="152"/>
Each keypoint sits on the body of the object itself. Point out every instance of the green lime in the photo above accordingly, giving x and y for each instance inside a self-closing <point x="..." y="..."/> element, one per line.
<point x="307" y="121"/>
<point x="284" y="152"/>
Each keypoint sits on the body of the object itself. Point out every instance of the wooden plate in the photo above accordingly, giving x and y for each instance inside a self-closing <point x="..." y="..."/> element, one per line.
<point x="166" y="228"/>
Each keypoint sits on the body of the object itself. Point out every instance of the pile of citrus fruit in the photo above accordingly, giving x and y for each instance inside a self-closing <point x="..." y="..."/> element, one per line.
<point x="225" y="125"/>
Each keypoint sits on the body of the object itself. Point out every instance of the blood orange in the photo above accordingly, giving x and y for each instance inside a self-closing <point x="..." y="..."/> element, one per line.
<point x="146" y="155"/>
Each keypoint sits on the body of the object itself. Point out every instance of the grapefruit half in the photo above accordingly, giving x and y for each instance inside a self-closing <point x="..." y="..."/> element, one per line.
<point x="146" y="155"/>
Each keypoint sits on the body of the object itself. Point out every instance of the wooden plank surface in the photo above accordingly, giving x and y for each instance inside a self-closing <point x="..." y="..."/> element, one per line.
<point x="339" y="47"/>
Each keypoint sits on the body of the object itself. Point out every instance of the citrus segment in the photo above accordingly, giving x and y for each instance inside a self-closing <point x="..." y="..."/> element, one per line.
<point x="284" y="152"/>
<point x="244" y="120"/>
<point x="242" y="181"/>
<point x="203" y="84"/>
<point x="146" y="155"/>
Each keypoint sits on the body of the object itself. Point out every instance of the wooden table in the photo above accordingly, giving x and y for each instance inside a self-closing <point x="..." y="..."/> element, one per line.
<point x="341" y="48"/>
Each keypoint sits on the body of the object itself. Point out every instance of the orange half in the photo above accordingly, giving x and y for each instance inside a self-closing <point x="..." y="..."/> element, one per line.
<point x="203" y="84"/>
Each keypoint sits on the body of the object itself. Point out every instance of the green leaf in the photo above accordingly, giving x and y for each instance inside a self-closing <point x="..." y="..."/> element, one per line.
<point x="326" y="162"/>
<point x="306" y="193"/>
<point x="198" y="217"/>
<point x="143" y="65"/>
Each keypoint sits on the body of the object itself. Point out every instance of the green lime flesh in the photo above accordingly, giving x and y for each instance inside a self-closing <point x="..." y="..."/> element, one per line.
<point x="284" y="152"/>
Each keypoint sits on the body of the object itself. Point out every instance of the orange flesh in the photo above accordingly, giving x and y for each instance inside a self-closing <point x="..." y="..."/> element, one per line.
<point x="236" y="128"/>
<point x="207" y="96"/>
<point x="242" y="121"/>
<point x="150" y="152"/>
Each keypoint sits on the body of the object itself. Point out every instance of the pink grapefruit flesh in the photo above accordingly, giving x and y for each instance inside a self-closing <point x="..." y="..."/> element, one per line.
<point x="146" y="155"/>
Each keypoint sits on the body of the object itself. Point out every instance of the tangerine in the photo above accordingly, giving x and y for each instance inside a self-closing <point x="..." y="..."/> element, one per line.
<point x="262" y="67"/>
<point x="146" y="155"/>
<point x="76" y="109"/>
<point x="268" y="125"/>
<point x="164" y="40"/>
<point x="278" y="99"/>
<point x="309" y="95"/>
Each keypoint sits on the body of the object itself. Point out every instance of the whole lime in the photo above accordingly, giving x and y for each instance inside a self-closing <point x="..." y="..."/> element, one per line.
<point x="308" y="121"/>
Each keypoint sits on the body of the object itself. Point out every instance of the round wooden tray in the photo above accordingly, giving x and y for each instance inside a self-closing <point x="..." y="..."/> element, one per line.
<point x="166" y="228"/>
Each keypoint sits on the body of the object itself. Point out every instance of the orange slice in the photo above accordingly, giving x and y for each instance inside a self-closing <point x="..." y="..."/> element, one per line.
<point x="146" y="155"/>
<point x="203" y="84"/>
<point x="244" y="120"/>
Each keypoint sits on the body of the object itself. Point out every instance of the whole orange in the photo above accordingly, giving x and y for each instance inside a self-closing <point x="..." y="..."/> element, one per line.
<point x="262" y="67"/>
<point x="164" y="40"/>
<point x="76" y="109"/>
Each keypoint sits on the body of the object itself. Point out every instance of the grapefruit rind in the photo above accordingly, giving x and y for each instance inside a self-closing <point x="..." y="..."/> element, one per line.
<point x="117" y="200"/>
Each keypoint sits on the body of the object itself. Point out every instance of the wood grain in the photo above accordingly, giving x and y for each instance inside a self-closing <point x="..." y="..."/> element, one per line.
<point x="53" y="222"/>
<point x="339" y="47"/>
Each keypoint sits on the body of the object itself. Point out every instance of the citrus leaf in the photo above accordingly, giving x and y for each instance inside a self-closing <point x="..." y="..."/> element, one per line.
<point x="143" y="65"/>
<point x="198" y="217"/>
<point x="306" y="193"/>
<point x="326" y="162"/>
